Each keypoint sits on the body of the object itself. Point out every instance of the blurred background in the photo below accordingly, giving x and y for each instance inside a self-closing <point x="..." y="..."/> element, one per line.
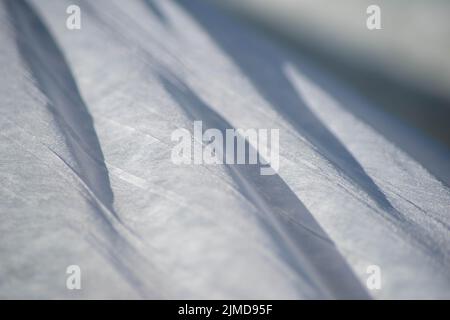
<point x="404" y="68"/>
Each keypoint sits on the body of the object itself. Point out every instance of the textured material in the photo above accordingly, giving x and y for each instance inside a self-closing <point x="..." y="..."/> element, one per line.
<point x="86" y="176"/>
